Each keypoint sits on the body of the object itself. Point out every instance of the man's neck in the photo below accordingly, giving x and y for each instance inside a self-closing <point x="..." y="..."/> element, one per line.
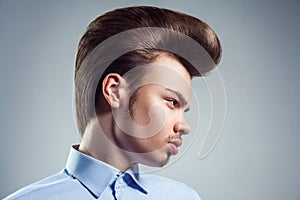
<point x="98" y="142"/>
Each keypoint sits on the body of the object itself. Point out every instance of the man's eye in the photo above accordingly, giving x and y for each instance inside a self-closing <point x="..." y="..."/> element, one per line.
<point x="173" y="102"/>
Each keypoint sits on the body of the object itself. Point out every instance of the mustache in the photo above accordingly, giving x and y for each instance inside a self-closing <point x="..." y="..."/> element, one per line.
<point x="173" y="137"/>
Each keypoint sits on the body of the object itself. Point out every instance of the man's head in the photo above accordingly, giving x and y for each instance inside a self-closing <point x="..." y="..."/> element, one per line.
<point x="136" y="63"/>
<point x="124" y="19"/>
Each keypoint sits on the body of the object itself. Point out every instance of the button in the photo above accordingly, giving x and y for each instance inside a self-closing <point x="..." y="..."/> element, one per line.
<point x="120" y="180"/>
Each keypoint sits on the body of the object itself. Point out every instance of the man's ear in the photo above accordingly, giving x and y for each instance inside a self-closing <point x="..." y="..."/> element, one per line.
<point x="111" y="86"/>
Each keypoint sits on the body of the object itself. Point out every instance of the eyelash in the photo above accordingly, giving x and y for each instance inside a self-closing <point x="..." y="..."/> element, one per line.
<point x="174" y="103"/>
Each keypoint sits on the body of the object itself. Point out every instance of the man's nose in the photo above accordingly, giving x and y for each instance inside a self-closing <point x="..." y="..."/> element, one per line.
<point x="182" y="127"/>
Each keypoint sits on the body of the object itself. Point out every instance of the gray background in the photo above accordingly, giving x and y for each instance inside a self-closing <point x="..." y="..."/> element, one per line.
<point x="257" y="156"/>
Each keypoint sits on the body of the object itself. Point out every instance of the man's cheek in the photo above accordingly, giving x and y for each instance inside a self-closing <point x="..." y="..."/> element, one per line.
<point x="156" y="121"/>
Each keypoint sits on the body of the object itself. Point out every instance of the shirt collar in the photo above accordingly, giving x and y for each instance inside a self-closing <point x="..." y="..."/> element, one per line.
<point x="96" y="175"/>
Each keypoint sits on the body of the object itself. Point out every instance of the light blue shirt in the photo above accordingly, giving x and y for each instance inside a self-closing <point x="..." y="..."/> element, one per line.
<point x="86" y="178"/>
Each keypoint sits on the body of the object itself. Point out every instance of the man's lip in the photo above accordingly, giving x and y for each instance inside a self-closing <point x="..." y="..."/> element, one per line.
<point x="176" y="142"/>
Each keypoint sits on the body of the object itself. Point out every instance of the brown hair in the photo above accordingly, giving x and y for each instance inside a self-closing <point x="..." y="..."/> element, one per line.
<point x="124" y="19"/>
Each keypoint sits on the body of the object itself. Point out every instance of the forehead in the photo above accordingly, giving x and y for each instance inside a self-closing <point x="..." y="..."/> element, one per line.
<point x="170" y="73"/>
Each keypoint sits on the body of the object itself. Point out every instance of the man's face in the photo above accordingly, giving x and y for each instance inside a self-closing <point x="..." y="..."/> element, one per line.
<point x="157" y="114"/>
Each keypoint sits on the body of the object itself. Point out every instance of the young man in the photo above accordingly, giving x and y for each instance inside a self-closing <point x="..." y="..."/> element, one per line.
<point x="132" y="86"/>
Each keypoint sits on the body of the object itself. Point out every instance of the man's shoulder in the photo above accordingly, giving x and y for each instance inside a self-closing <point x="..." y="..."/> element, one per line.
<point x="163" y="181"/>
<point x="51" y="185"/>
<point x="162" y="185"/>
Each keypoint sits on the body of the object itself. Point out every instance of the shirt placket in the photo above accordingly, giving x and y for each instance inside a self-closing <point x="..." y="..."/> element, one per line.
<point x="116" y="185"/>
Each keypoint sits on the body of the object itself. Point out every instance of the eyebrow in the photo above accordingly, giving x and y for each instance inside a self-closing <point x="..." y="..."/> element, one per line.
<point x="182" y="100"/>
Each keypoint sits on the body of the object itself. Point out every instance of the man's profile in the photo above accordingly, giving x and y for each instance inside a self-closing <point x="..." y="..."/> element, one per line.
<point x="132" y="87"/>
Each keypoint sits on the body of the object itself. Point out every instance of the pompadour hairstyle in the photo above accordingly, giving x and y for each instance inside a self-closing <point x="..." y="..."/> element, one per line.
<point x="124" y="19"/>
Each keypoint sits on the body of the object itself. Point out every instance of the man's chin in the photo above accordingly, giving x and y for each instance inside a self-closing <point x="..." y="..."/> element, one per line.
<point x="156" y="160"/>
